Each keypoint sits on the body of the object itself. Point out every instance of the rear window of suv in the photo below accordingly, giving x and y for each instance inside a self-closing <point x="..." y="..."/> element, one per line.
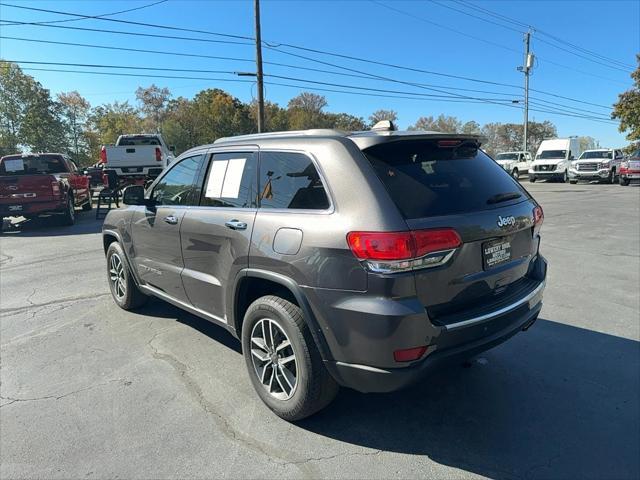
<point x="32" y="165"/>
<point x="425" y="179"/>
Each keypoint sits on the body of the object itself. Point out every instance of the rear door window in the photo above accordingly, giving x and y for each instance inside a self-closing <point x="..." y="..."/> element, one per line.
<point x="290" y="180"/>
<point x="425" y="179"/>
<point x="231" y="181"/>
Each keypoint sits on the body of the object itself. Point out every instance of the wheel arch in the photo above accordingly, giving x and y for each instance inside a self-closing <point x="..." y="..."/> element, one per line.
<point x="252" y="283"/>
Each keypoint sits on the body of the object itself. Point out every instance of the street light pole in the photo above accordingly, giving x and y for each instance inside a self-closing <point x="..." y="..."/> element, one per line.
<point x="259" y="75"/>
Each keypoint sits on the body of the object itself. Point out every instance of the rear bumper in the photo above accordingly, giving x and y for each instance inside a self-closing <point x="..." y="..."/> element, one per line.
<point x="143" y="171"/>
<point x="33" y="208"/>
<point x="371" y="379"/>
<point x="362" y="342"/>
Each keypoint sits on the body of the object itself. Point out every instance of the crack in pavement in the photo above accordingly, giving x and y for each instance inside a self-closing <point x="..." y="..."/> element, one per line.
<point x="49" y="259"/>
<point x="52" y="302"/>
<point x="56" y="397"/>
<point x="273" y="454"/>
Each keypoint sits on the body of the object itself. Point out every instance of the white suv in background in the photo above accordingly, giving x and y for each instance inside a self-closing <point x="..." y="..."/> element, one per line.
<point x="516" y="163"/>
<point x="602" y="164"/>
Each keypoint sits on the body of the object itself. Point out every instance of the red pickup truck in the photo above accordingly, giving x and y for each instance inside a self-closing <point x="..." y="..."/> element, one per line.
<point x="42" y="183"/>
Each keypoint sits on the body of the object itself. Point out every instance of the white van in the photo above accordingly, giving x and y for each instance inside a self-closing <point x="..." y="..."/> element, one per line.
<point x="553" y="159"/>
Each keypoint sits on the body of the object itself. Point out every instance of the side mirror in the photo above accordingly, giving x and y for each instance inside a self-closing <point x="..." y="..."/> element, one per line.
<point x="133" y="195"/>
<point x="172" y="148"/>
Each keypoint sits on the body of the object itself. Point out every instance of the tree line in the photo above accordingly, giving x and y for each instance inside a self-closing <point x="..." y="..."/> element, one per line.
<point x="32" y="120"/>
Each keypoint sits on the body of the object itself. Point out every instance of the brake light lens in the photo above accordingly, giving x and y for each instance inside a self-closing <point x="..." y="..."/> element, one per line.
<point x="158" y="154"/>
<point x="409" y="354"/>
<point x="389" y="252"/>
<point x="538" y="218"/>
<point x="55" y="189"/>
<point x="103" y="155"/>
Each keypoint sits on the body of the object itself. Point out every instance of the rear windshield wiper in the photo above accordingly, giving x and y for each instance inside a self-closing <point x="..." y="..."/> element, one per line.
<point x="503" y="197"/>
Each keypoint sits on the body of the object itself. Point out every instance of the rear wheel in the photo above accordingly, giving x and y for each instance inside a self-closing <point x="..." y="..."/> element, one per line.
<point x="69" y="214"/>
<point x="573" y="182"/>
<point x="123" y="288"/>
<point x="532" y="179"/>
<point x="283" y="362"/>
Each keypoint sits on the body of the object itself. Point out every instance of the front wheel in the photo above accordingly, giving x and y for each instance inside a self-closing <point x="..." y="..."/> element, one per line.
<point x="123" y="288"/>
<point x="532" y="179"/>
<point x="573" y="182"/>
<point x="623" y="181"/>
<point x="565" y="177"/>
<point x="282" y="360"/>
<point x="515" y="174"/>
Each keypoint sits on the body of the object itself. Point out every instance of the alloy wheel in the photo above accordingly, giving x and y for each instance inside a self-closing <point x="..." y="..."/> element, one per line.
<point x="274" y="360"/>
<point x="117" y="276"/>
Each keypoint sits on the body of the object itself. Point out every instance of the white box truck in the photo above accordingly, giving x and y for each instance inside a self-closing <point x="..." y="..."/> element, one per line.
<point x="553" y="159"/>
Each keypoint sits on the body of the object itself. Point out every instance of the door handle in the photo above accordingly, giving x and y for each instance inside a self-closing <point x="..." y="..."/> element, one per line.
<point x="171" y="220"/>
<point x="236" y="225"/>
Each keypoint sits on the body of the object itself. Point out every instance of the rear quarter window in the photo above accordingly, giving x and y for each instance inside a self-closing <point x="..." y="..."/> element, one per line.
<point x="425" y="180"/>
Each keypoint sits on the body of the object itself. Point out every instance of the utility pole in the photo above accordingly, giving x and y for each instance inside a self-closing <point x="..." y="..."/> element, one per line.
<point x="528" y="65"/>
<point x="259" y="76"/>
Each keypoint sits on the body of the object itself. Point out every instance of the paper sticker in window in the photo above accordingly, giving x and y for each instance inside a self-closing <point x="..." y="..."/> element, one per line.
<point x="233" y="178"/>
<point x="216" y="179"/>
<point x="13" y="165"/>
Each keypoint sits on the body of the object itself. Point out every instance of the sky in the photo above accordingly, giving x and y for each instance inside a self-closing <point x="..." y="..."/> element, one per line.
<point x="443" y="37"/>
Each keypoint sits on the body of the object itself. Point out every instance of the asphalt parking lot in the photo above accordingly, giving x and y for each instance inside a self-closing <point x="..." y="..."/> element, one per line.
<point x="91" y="391"/>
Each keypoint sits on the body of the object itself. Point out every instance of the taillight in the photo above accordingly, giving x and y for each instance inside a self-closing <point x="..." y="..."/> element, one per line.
<point x="409" y="354"/>
<point x="538" y="218"/>
<point x="388" y="252"/>
<point x="158" y="155"/>
<point x="55" y="189"/>
<point x="103" y="155"/>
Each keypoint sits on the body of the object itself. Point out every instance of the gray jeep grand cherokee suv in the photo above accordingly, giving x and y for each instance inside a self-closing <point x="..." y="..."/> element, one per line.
<point x="361" y="259"/>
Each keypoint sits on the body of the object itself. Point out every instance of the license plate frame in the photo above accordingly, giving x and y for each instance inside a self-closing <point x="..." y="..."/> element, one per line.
<point x="496" y="252"/>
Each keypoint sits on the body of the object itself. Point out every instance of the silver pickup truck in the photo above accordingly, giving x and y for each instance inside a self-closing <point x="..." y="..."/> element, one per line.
<point x="602" y="164"/>
<point x="144" y="155"/>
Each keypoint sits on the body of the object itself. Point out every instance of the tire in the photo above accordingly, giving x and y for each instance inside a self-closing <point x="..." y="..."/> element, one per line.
<point x="298" y="388"/>
<point x="532" y="179"/>
<point x="565" y="177"/>
<point x="623" y="181"/>
<point x="123" y="287"/>
<point x="88" y="206"/>
<point x="573" y="182"/>
<point x="69" y="215"/>
<point x="515" y="174"/>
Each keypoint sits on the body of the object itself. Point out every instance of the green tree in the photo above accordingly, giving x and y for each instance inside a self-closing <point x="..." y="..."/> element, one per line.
<point x="305" y="111"/>
<point x="218" y="114"/>
<point x="276" y="117"/>
<point x="111" y="120"/>
<point x="380" y="115"/>
<point x="29" y="118"/>
<point x="153" y="104"/>
<point x="443" y="123"/>
<point x="179" y="127"/>
<point x="588" y="143"/>
<point x="472" y="127"/>
<point x="627" y="109"/>
<point x="75" y="111"/>
<point x="346" y="122"/>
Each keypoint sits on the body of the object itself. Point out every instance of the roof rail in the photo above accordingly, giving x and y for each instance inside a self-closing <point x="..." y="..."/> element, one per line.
<point x="324" y="132"/>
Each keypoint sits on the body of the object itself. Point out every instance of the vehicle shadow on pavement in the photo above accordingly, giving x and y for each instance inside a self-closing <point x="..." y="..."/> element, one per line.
<point x="86" y="223"/>
<point x="557" y="401"/>
<point x="161" y="309"/>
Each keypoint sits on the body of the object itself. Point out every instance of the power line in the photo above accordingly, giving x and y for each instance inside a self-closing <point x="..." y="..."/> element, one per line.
<point x="557" y="64"/>
<point x="512" y="20"/>
<point x="414" y="96"/>
<point x="276" y="48"/>
<point x="96" y="16"/>
<point x="216" y="57"/>
<point x="610" y="63"/>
